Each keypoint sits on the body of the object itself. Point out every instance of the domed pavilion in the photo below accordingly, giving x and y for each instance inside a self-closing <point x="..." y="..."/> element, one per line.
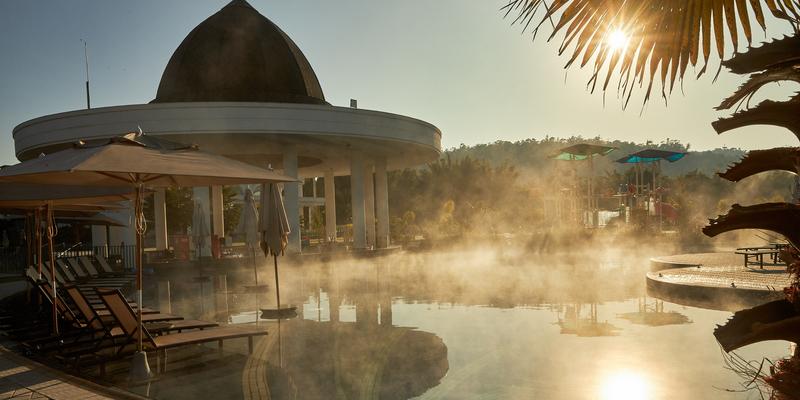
<point x="239" y="86"/>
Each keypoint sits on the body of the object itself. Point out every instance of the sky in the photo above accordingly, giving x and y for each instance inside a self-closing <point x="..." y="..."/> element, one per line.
<point x="455" y="63"/>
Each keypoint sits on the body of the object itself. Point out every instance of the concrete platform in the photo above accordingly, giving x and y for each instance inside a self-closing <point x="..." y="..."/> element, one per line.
<point x="21" y="378"/>
<point x="715" y="280"/>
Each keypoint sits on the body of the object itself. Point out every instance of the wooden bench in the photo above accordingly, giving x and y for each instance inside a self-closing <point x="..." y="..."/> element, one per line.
<point x="757" y="254"/>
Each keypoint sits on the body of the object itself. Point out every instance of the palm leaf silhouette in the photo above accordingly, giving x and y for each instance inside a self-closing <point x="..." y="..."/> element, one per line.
<point x="665" y="36"/>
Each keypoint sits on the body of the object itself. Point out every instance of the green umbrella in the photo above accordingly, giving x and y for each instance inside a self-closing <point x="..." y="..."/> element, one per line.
<point x="580" y="152"/>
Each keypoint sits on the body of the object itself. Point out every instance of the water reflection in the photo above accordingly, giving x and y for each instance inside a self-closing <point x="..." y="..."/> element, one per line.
<point x="316" y="359"/>
<point x="625" y="385"/>
<point x="462" y="325"/>
<point x="654" y="314"/>
<point x="574" y="323"/>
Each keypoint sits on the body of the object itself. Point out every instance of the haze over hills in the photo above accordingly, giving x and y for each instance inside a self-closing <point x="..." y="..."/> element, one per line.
<point x="531" y="154"/>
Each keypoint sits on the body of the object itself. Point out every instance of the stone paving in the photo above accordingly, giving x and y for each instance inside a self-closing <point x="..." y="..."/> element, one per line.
<point x="720" y="270"/>
<point x="24" y="379"/>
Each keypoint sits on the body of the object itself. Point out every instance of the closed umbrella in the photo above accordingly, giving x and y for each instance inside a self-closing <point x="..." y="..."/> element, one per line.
<point x="274" y="228"/>
<point x="248" y="227"/>
<point x="199" y="228"/>
<point x="139" y="162"/>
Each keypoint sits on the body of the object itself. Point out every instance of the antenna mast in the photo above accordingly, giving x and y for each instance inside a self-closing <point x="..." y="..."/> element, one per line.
<point x="86" y="58"/>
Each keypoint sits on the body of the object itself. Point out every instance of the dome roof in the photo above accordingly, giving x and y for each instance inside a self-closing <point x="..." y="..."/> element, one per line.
<point x="238" y="54"/>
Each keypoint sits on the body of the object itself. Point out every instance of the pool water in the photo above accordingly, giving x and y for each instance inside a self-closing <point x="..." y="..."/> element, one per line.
<point x="459" y="325"/>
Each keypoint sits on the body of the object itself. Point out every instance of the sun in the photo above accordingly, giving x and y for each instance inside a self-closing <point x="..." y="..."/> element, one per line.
<point x="625" y="385"/>
<point x="617" y="40"/>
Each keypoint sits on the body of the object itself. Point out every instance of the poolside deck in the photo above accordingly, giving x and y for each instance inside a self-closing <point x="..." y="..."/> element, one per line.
<point x="715" y="280"/>
<point x="22" y="378"/>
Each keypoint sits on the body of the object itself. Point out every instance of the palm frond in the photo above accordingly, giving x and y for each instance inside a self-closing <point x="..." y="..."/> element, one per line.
<point x="663" y="37"/>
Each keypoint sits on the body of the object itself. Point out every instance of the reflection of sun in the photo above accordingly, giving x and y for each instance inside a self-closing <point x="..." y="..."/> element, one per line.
<point x="624" y="385"/>
<point x="617" y="40"/>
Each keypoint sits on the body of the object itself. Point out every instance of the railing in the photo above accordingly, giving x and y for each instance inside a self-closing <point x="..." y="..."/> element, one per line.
<point x="12" y="260"/>
<point x="122" y="255"/>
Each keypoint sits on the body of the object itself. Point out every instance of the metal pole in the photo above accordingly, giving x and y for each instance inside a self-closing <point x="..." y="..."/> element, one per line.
<point x="138" y="262"/>
<point x="51" y="232"/>
<point x="86" y="58"/>
<point x="38" y="227"/>
<point x="277" y="284"/>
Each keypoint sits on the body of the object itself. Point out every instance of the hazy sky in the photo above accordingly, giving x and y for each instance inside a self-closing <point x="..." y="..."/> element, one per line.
<point x="455" y="63"/>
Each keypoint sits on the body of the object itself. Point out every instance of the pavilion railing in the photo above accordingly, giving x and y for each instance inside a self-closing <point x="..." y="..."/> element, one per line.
<point x="12" y="260"/>
<point x="123" y="256"/>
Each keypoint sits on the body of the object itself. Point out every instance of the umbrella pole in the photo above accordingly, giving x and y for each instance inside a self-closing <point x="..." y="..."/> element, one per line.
<point x="255" y="272"/>
<point x="277" y="284"/>
<point x="51" y="231"/>
<point x="280" y="349"/>
<point x="255" y="269"/>
<point x="140" y="369"/>
<point x="37" y="226"/>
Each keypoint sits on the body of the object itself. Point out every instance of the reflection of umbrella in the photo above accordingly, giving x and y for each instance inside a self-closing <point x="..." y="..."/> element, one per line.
<point x="655" y="315"/>
<point x="274" y="229"/>
<point x="138" y="162"/>
<point x="391" y="362"/>
<point x="47" y="198"/>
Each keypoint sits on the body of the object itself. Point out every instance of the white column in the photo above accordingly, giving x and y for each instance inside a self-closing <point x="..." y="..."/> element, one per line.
<point x="217" y="215"/>
<point x="123" y="234"/>
<point x="357" y="201"/>
<point x="369" y="204"/>
<point x="160" y="207"/>
<point x="200" y="195"/>
<point x="382" y="203"/>
<point x="330" y="205"/>
<point x="291" y="198"/>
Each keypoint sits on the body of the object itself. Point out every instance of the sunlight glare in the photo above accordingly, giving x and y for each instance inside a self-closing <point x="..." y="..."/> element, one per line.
<point x="617" y="40"/>
<point x="624" y="385"/>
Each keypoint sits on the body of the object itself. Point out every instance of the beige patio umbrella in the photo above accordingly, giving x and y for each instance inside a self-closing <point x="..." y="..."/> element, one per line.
<point x="45" y="199"/>
<point x="139" y="162"/>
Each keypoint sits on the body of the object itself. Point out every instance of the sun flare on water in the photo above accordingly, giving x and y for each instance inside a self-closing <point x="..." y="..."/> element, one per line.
<point x="617" y="40"/>
<point x="624" y="385"/>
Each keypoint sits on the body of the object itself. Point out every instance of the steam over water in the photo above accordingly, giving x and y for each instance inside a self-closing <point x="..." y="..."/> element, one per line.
<point x="489" y="321"/>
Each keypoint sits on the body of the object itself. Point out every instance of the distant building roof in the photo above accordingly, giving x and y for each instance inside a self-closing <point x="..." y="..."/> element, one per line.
<point x="238" y="54"/>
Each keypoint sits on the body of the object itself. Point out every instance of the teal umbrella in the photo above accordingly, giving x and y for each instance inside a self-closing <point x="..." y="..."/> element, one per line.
<point x="651" y="155"/>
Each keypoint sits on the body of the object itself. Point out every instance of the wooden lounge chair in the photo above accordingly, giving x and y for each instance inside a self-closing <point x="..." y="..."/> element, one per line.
<point x="106" y="269"/>
<point x="126" y="319"/>
<point x="89" y="330"/>
<point x="89" y="272"/>
<point x="92" y="317"/>
<point x="79" y="277"/>
<point x="89" y="291"/>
